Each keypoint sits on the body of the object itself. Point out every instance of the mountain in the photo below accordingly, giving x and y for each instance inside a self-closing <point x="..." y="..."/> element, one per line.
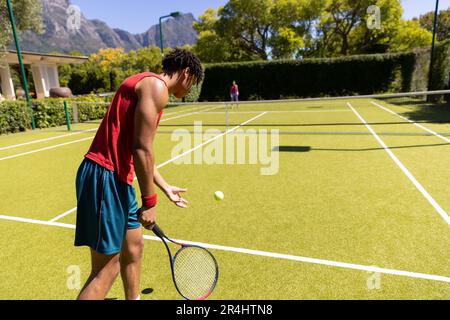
<point x="95" y="34"/>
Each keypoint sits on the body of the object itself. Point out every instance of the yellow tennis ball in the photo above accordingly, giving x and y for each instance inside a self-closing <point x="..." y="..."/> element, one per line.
<point x="219" y="195"/>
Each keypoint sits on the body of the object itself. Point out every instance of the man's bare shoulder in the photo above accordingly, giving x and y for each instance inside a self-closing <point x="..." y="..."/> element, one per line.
<point x="154" y="89"/>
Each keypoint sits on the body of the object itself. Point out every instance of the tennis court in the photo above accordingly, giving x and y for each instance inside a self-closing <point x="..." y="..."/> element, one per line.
<point x="357" y="205"/>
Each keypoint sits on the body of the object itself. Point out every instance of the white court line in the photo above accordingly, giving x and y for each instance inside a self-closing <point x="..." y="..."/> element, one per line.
<point x="76" y="141"/>
<point x="191" y="113"/>
<point x="169" y="113"/>
<point x="46" y="139"/>
<point x="280" y="111"/>
<point x="329" y="263"/>
<point x="210" y="140"/>
<point x="44" y="149"/>
<point x="45" y="223"/>
<point x="185" y="110"/>
<point x="414" y="123"/>
<point x="181" y="155"/>
<point x="63" y="215"/>
<point x="416" y="183"/>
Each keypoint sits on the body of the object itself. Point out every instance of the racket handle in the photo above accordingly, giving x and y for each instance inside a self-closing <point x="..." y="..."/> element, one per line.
<point x="157" y="230"/>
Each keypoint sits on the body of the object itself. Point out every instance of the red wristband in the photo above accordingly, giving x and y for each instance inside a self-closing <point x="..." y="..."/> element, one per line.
<point x="150" y="201"/>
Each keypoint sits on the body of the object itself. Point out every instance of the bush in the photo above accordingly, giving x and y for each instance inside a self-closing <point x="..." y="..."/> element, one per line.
<point x="89" y="107"/>
<point x="15" y="115"/>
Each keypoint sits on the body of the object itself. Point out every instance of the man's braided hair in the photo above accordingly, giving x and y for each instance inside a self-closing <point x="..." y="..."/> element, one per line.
<point x="179" y="59"/>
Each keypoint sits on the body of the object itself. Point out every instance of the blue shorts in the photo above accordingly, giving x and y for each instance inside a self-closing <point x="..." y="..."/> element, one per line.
<point x="107" y="208"/>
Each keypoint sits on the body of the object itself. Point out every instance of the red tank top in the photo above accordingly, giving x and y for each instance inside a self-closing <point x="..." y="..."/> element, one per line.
<point x="112" y="147"/>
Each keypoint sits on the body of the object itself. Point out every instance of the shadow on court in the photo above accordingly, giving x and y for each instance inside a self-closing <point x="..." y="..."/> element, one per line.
<point x="147" y="291"/>
<point x="439" y="114"/>
<point x="424" y="111"/>
<point x="309" y="149"/>
<point x="292" y="149"/>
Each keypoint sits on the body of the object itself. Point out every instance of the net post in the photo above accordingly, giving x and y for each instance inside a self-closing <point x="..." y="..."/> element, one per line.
<point x="66" y="111"/>
<point x="226" y="115"/>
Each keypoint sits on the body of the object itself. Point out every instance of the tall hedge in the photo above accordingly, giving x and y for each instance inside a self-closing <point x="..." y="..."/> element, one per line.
<point x="362" y="74"/>
<point x="441" y="67"/>
<point x="421" y="68"/>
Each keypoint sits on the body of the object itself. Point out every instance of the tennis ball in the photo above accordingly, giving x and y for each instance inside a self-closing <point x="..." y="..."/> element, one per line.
<point x="219" y="195"/>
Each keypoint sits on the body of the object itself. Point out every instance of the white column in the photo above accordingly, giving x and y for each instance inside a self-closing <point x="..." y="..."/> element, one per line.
<point x="7" y="83"/>
<point x="53" y="77"/>
<point x="45" y="77"/>
<point x="39" y="79"/>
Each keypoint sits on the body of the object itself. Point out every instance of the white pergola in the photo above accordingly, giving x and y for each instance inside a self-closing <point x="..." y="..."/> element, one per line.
<point x="44" y="68"/>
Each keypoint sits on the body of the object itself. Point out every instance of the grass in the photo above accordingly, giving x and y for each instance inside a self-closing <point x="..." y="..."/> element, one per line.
<point x="337" y="196"/>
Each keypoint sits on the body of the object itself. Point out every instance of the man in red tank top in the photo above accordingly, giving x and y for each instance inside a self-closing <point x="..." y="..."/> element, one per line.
<point x="108" y="217"/>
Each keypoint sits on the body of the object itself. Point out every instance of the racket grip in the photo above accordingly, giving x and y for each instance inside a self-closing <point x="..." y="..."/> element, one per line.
<point x="157" y="230"/>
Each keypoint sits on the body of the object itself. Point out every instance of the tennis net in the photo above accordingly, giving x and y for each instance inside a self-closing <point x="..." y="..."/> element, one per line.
<point x="436" y="104"/>
<point x="422" y="98"/>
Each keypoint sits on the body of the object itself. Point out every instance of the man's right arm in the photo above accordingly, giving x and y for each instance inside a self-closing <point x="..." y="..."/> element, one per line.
<point x="152" y="98"/>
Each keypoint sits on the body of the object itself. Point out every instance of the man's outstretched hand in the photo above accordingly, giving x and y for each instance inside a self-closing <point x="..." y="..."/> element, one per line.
<point x="174" y="195"/>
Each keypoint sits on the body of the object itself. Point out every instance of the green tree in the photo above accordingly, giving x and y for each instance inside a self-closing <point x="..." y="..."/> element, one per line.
<point x="106" y="69"/>
<point x="142" y="60"/>
<point x="259" y="30"/>
<point x="443" y="29"/>
<point x="28" y="15"/>
<point x="410" y="35"/>
<point x="65" y="70"/>
<point x="256" y="30"/>
<point x="338" y="21"/>
<point x="285" y="43"/>
<point x="368" y="37"/>
<point x="246" y="25"/>
<point x="346" y="27"/>
<point x="207" y="21"/>
<point x="294" y="21"/>
<point x="210" y="47"/>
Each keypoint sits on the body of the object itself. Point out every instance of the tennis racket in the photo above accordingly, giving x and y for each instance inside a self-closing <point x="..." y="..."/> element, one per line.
<point x="194" y="269"/>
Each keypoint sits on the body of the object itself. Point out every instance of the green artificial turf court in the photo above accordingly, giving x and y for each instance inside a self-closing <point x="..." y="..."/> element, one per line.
<point x="337" y="206"/>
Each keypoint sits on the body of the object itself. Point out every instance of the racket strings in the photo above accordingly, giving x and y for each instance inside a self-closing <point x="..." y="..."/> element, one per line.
<point x="195" y="272"/>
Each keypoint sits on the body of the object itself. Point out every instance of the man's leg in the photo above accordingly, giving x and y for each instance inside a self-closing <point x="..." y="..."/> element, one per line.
<point x="105" y="270"/>
<point x="130" y="263"/>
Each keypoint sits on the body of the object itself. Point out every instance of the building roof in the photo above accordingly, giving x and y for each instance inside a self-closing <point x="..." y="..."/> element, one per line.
<point x="33" y="57"/>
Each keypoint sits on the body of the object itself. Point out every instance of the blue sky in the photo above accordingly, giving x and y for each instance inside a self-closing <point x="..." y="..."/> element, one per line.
<point x="137" y="16"/>
<point x="414" y="8"/>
